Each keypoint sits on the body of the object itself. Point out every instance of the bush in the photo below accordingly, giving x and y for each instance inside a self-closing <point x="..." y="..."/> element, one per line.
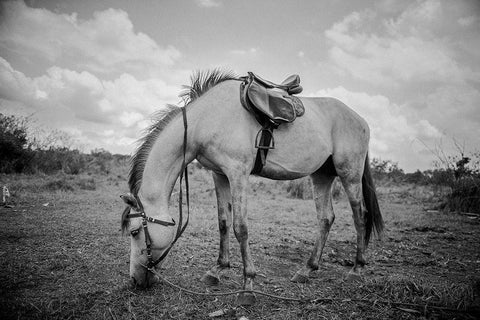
<point x="56" y="160"/>
<point x="418" y="177"/>
<point x="465" y="195"/>
<point x="14" y="152"/>
<point x="386" y="170"/>
<point x="462" y="176"/>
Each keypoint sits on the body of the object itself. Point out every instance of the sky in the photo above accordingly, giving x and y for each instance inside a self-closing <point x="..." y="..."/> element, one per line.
<point x="98" y="69"/>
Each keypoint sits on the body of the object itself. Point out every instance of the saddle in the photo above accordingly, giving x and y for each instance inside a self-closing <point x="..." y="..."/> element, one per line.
<point x="272" y="104"/>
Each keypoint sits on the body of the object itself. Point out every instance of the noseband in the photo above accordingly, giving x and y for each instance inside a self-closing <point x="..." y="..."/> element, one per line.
<point x="180" y="228"/>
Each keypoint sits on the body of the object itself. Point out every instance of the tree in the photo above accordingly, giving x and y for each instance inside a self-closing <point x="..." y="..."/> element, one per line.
<point x="14" y="151"/>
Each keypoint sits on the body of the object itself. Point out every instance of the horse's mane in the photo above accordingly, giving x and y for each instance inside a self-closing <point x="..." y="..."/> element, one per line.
<point x="200" y="82"/>
<point x="139" y="158"/>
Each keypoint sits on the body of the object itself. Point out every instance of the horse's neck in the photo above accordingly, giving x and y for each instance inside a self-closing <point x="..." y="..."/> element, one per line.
<point x="164" y="163"/>
<point x="163" y="166"/>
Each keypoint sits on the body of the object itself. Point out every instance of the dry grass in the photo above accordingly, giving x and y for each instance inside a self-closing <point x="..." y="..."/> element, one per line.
<point x="68" y="260"/>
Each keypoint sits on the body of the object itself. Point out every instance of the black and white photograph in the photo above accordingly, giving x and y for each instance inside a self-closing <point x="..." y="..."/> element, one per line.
<point x="254" y="159"/>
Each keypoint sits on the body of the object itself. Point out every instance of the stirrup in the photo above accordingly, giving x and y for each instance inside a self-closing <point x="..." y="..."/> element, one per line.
<point x="260" y="135"/>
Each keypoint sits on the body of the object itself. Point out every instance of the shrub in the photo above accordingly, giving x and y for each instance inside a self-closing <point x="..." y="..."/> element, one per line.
<point x="101" y="161"/>
<point x="386" y="170"/>
<point x="14" y="152"/>
<point x="462" y="176"/>
<point x="417" y="177"/>
<point x="465" y="195"/>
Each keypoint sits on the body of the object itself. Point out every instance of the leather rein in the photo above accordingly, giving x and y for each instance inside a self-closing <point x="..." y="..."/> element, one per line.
<point x="180" y="227"/>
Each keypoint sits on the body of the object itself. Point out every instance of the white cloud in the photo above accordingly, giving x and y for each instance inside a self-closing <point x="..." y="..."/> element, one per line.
<point x="102" y="44"/>
<point x="14" y="84"/>
<point x="66" y="99"/>
<point x="208" y="3"/>
<point x="456" y="110"/>
<point x="129" y="118"/>
<point x="251" y="51"/>
<point x="467" y="21"/>
<point x="410" y="50"/>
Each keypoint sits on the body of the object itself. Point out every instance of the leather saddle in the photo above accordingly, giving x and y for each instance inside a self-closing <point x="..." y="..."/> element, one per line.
<point x="272" y="104"/>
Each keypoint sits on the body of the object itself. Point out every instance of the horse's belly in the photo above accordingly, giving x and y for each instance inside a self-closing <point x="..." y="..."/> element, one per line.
<point x="300" y="150"/>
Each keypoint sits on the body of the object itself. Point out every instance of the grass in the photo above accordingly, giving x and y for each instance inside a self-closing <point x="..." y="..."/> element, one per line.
<point x="68" y="260"/>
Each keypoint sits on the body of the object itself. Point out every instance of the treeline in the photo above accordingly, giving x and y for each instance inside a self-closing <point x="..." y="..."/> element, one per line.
<point x="21" y="153"/>
<point x="460" y="175"/>
<point x="456" y="169"/>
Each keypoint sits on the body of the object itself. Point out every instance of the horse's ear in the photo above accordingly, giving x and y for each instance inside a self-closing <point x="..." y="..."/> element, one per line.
<point x="130" y="200"/>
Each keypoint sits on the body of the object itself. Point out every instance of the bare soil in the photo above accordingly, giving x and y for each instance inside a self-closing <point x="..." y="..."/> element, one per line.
<point x="62" y="256"/>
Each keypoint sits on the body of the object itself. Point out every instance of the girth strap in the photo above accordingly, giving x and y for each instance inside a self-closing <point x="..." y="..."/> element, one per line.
<point x="264" y="141"/>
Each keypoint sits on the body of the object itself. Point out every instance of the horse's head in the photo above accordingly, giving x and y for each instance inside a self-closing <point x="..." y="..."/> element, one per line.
<point x="145" y="226"/>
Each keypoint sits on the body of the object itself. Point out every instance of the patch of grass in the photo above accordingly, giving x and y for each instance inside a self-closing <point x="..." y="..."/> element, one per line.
<point x="19" y="184"/>
<point x="61" y="184"/>
<point x="86" y="184"/>
<point x="411" y="290"/>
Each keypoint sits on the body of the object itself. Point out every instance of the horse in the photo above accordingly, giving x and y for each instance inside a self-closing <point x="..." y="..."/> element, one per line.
<point x="329" y="140"/>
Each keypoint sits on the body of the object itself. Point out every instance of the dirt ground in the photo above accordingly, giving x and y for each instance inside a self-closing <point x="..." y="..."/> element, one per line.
<point x="62" y="256"/>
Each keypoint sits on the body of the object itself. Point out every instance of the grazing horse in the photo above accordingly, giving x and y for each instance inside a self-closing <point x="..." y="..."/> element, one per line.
<point x="329" y="140"/>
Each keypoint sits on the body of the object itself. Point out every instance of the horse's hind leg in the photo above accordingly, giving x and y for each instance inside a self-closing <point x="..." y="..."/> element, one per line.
<point x="353" y="188"/>
<point x="224" y="206"/>
<point x="322" y="186"/>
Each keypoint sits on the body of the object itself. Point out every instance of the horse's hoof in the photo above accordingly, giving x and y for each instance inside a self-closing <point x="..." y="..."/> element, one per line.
<point x="299" y="278"/>
<point x="246" y="299"/>
<point x="210" y="279"/>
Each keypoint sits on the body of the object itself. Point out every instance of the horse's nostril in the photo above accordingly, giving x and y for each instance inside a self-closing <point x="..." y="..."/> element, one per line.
<point x="133" y="281"/>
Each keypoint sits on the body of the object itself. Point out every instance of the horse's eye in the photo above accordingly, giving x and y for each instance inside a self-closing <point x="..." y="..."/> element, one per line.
<point x="134" y="232"/>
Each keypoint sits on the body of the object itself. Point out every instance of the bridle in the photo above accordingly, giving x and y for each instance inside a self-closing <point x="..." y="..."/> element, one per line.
<point x="151" y="263"/>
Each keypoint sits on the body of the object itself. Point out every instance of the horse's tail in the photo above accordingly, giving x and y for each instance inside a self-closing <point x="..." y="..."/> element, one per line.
<point x="373" y="216"/>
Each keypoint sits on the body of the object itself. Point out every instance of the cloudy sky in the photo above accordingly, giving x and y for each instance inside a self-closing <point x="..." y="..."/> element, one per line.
<point x="97" y="69"/>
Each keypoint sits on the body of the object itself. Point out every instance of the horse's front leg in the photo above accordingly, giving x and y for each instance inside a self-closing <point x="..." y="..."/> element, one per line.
<point x="239" y="186"/>
<point x="224" y="206"/>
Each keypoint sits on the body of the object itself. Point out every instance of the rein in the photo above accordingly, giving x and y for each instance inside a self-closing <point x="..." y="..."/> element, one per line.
<point x="180" y="227"/>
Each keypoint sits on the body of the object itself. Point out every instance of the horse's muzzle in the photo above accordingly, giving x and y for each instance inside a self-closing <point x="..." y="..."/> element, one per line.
<point x="144" y="283"/>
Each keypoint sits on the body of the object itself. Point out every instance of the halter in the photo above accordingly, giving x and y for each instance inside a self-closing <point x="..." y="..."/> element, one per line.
<point x="180" y="228"/>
